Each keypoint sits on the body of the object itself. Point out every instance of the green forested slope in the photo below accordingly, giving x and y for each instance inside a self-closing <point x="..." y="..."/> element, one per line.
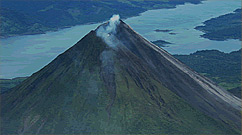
<point x="16" y="23"/>
<point x="222" y="68"/>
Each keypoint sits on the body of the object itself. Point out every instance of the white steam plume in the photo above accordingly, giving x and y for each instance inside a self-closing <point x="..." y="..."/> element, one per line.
<point x="107" y="33"/>
<point x="113" y="22"/>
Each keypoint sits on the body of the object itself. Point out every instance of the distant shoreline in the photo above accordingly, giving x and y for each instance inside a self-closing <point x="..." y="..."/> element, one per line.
<point x="12" y="78"/>
<point x="44" y="30"/>
<point x="222" y="28"/>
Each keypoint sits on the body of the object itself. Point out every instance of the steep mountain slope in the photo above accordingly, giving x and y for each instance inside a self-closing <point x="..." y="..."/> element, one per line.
<point x="7" y="84"/>
<point x="114" y="81"/>
<point x="210" y="63"/>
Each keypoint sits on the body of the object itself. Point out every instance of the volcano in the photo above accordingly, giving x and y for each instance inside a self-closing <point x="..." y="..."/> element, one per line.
<point x="114" y="81"/>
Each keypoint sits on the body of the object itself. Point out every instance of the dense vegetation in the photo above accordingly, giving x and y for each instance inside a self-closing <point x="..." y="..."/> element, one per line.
<point x="16" y="23"/>
<point x="222" y="68"/>
<point x="223" y="27"/>
<point x="33" y="17"/>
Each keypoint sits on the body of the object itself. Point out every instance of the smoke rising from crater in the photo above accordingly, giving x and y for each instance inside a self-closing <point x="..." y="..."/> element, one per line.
<point x="107" y="32"/>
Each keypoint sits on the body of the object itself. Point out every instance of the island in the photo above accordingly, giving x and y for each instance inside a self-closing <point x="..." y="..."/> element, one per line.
<point x="172" y="33"/>
<point x="158" y="30"/>
<point x="222" y="28"/>
<point x="161" y="43"/>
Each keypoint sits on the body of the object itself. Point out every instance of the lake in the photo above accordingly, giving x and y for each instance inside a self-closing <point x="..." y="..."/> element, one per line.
<point x="23" y="55"/>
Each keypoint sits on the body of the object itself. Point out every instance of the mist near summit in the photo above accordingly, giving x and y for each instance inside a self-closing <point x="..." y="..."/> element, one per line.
<point x="106" y="32"/>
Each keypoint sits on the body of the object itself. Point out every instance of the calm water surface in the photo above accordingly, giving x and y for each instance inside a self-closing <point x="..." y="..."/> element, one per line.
<point x="24" y="55"/>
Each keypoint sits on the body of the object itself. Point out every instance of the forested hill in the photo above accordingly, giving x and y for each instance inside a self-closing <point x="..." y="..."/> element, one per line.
<point x="223" y="27"/>
<point x="222" y="68"/>
<point x="19" y="17"/>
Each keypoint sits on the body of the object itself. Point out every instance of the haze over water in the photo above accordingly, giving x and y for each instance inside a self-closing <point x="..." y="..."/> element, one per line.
<point x="182" y="21"/>
<point x="24" y="55"/>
